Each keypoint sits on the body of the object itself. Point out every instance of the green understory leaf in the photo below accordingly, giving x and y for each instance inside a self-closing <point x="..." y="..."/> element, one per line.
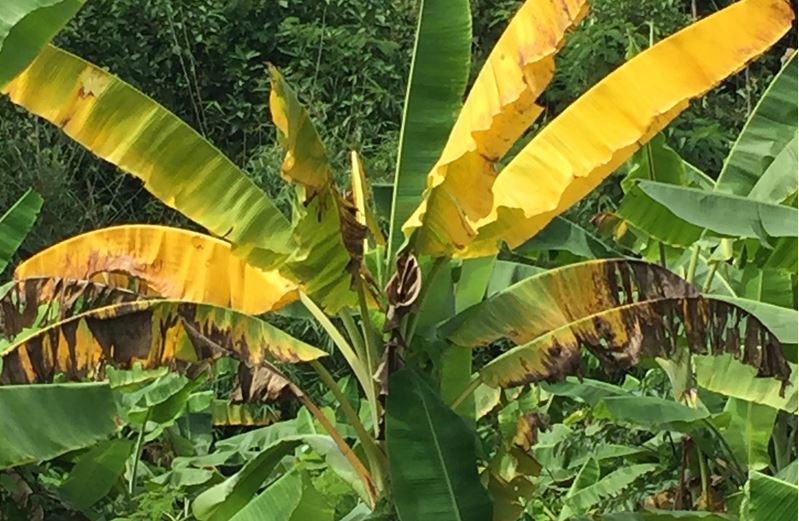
<point x="724" y="214"/>
<point x="724" y="375"/>
<point x="16" y="223"/>
<point x="40" y="422"/>
<point x="431" y="452"/>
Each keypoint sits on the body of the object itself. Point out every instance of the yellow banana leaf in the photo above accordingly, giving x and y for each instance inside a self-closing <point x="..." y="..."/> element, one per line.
<point x="152" y="332"/>
<point x="499" y="108"/>
<point x="620" y="311"/>
<point x="306" y="161"/>
<point x="361" y="199"/>
<point x="173" y="263"/>
<point x="125" y="127"/>
<point x="604" y="127"/>
<point x="330" y="239"/>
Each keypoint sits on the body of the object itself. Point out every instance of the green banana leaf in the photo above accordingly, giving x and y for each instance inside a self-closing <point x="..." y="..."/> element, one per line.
<point x="724" y="375"/>
<point x="431" y="452"/>
<point x="222" y="501"/>
<point x="748" y="432"/>
<point x="583" y="500"/>
<point x="588" y="390"/>
<point x="770" y="127"/>
<point x="436" y="84"/>
<point x="16" y="223"/>
<point x="291" y="497"/>
<point x="778" y="182"/>
<point x="666" y="515"/>
<point x="651" y="412"/>
<point x="25" y="27"/>
<point x="656" y="220"/>
<point x="40" y="422"/>
<point x="96" y="472"/>
<point x="587" y="475"/>
<point x="563" y="234"/>
<point x="768" y="498"/>
<point x="724" y="214"/>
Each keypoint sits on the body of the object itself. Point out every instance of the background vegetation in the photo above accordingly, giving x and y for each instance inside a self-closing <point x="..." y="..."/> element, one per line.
<point x="206" y="61"/>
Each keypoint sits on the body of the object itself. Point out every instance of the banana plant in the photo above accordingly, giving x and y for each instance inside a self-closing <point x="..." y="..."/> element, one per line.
<point x="405" y="312"/>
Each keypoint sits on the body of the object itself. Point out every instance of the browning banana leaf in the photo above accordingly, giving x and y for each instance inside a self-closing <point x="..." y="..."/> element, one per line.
<point x="620" y="310"/>
<point x="152" y="332"/>
<point x="174" y="263"/>
<point x="38" y="301"/>
<point x="330" y="237"/>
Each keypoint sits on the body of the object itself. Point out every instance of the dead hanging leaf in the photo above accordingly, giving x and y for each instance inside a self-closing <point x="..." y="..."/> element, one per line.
<point x="353" y="233"/>
<point x="153" y="332"/>
<point x="402" y="289"/>
<point x="663" y="500"/>
<point x="527" y="428"/>
<point x="39" y="301"/>
<point x="260" y="384"/>
<point x="620" y="311"/>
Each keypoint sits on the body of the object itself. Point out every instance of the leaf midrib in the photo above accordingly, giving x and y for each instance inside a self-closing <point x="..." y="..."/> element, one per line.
<point x="439" y="453"/>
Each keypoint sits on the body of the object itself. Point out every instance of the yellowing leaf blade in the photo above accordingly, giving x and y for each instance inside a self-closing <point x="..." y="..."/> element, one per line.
<point x="173" y="263"/>
<point x="499" y="108"/>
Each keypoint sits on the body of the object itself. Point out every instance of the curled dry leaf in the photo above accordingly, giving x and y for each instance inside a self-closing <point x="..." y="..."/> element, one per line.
<point x="402" y="289"/>
<point x="262" y="383"/>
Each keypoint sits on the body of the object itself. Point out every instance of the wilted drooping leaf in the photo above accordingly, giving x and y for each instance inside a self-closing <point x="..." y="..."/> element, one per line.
<point x="40" y="301"/>
<point x="330" y="238"/>
<point x="621" y="311"/>
<point x="152" y="332"/>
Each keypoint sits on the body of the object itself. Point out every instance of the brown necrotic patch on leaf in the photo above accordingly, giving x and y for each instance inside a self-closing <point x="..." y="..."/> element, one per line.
<point x="39" y="301"/>
<point x="154" y="333"/>
<point x="620" y="311"/>
<point x="621" y="337"/>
